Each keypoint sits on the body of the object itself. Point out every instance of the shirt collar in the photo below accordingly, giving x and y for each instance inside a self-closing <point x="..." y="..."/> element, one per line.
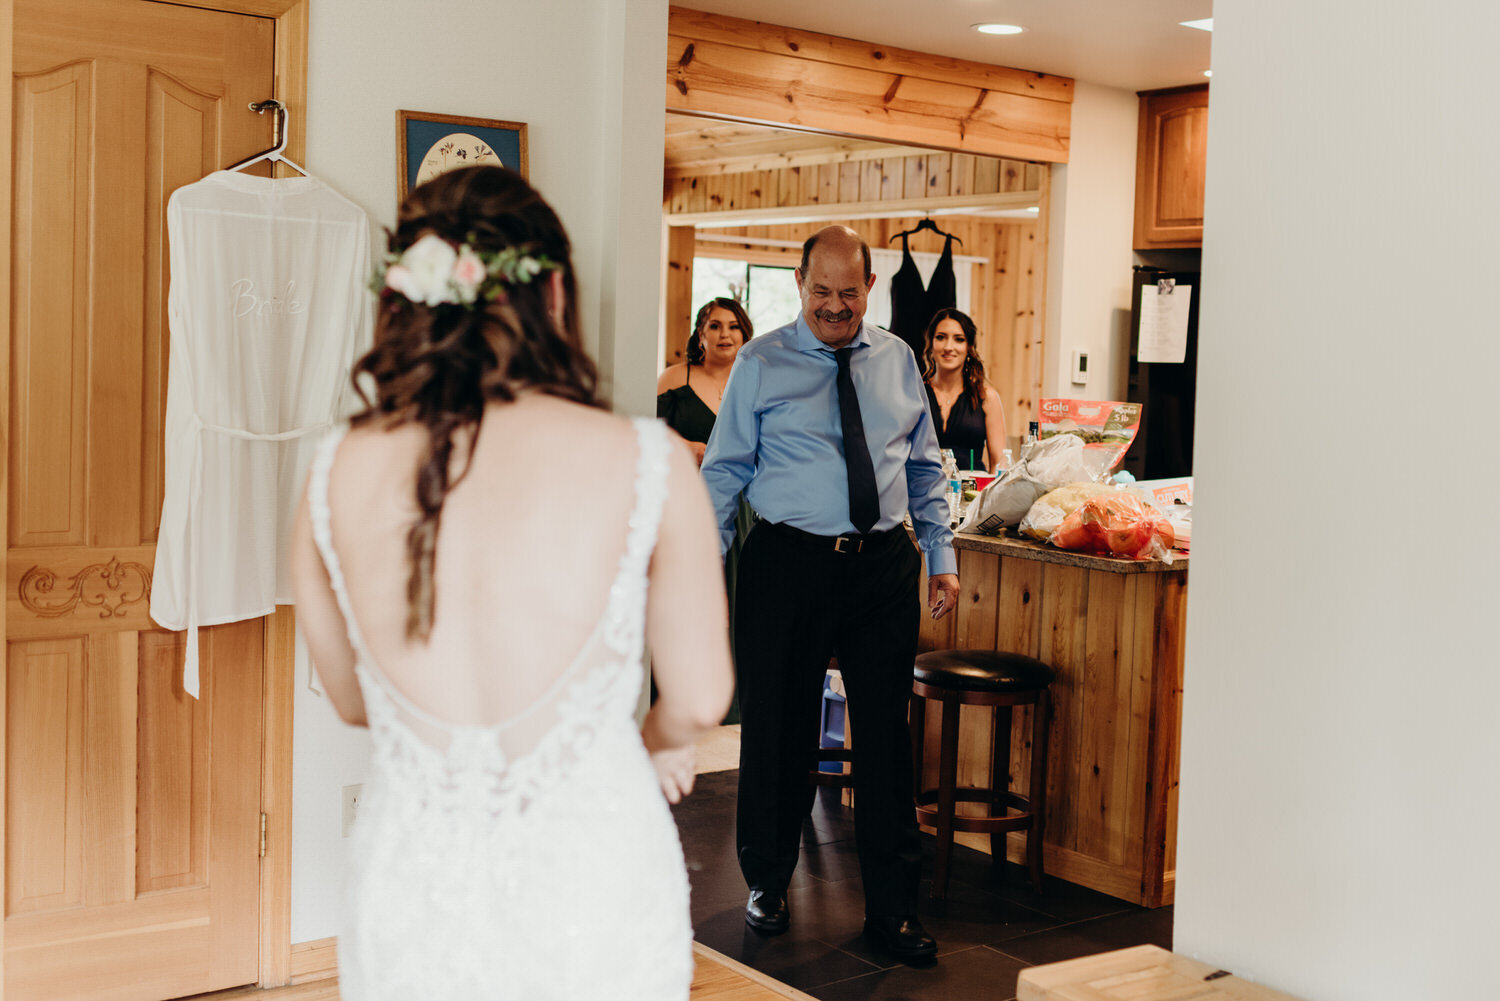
<point x="808" y="341"/>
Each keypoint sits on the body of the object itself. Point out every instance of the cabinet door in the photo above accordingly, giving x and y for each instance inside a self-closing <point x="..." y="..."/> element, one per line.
<point x="1171" y="155"/>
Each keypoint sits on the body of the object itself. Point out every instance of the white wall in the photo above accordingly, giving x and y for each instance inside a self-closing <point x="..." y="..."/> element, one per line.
<point x="1088" y="247"/>
<point x="1339" y="796"/>
<point x="586" y="78"/>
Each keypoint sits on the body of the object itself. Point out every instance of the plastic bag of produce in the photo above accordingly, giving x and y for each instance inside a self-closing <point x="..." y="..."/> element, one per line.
<point x="1052" y="507"/>
<point x="1118" y="524"/>
<point x="1105" y="428"/>
<point x="1044" y="466"/>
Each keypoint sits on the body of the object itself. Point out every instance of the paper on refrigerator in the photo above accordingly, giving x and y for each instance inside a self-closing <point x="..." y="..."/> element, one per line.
<point x="1164" y="321"/>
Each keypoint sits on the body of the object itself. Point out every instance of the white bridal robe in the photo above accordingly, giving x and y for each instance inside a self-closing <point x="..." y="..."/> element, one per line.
<point x="268" y="311"/>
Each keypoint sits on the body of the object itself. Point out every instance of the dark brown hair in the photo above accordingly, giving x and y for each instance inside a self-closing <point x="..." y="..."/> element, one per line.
<point x="695" y="352"/>
<point x="439" y="365"/>
<point x="973" y="367"/>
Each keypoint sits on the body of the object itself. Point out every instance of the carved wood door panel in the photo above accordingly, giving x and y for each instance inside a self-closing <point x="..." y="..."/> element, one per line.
<point x="132" y="812"/>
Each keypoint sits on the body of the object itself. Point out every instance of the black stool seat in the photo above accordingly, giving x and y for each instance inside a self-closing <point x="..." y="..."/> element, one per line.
<point x="981" y="671"/>
<point x="1004" y="682"/>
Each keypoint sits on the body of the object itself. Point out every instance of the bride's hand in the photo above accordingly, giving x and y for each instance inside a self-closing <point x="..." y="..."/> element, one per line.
<point x="675" y="770"/>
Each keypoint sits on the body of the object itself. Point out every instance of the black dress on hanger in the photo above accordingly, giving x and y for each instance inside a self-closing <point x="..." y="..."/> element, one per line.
<point x="912" y="304"/>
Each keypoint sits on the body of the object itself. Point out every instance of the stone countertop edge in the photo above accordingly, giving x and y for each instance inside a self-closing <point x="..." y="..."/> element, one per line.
<point x="1027" y="549"/>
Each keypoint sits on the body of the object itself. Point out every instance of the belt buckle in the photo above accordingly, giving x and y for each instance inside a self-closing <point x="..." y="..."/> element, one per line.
<point x="842" y="541"/>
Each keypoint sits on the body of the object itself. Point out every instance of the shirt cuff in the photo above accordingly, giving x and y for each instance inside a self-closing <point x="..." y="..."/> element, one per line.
<point x="941" y="560"/>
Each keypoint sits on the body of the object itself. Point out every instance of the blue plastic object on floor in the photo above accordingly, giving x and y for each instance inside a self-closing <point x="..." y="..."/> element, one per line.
<point x="835" y="713"/>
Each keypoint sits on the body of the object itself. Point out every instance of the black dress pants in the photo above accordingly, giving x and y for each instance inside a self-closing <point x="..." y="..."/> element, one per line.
<point x="799" y="602"/>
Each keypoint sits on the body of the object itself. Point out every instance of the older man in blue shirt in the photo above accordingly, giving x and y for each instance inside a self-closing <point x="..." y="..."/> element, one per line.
<point x="824" y="426"/>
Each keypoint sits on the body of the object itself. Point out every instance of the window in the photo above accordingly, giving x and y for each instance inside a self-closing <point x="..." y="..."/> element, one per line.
<point x="769" y="294"/>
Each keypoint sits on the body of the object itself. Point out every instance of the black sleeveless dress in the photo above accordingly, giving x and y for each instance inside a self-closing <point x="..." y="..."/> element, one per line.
<point x="684" y="411"/>
<point x="912" y="303"/>
<point x="964" y="431"/>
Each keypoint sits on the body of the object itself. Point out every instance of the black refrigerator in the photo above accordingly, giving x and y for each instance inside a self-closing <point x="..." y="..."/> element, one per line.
<point x="1163" y="446"/>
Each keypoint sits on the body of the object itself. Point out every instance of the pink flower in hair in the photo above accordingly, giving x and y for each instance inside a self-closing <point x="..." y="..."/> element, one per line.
<point x="469" y="273"/>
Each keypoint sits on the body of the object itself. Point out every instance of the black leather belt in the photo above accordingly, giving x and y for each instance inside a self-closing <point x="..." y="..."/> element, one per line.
<point x="846" y="544"/>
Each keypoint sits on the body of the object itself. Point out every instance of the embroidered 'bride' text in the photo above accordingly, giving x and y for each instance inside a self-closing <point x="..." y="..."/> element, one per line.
<point x="247" y="303"/>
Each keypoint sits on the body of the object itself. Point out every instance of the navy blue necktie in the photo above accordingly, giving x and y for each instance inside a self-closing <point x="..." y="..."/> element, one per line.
<point x="864" y="498"/>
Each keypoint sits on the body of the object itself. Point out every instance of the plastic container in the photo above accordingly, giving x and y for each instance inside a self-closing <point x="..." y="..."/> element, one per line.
<point x="834" y="718"/>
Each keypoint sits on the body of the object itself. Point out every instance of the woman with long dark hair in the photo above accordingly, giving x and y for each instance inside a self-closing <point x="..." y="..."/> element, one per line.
<point x="721" y="328"/>
<point x="486" y="620"/>
<point x="966" y="410"/>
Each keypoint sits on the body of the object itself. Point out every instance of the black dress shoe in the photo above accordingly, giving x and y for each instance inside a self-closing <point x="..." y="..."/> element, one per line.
<point x="901" y="938"/>
<point x="766" y="912"/>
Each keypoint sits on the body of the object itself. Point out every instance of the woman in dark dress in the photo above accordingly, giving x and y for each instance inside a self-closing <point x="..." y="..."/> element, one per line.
<point x="688" y="394"/>
<point x="966" y="410"/>
<point x="688" y="397"/>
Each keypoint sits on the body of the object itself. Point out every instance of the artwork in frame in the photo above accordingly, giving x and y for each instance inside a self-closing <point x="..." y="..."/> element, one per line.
<point x="428" y="145"/>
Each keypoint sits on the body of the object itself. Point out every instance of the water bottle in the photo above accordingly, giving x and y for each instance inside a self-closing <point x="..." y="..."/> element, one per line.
<point x="955" y="488"/>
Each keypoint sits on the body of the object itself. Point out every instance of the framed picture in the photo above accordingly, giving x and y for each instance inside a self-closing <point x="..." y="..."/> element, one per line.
<point x="428" y="145"/>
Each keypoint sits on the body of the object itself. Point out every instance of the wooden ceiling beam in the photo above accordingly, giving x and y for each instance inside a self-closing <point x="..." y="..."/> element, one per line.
<point x="778" y="40"/>
<point x="705" y="163"/>
<point x="786" y="214"/>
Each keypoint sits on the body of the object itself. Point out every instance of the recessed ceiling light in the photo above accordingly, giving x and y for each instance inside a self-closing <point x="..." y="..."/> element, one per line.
<point x="999" y="29"/>
<point x="1202" y="24"/>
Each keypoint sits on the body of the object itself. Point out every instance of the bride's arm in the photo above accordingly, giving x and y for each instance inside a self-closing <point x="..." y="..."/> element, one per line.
<point x="323" y="623"/>
<point x="687" y="628"/>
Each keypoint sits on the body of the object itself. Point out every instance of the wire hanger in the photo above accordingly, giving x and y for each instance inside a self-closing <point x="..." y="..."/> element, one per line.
<point x="926" y="224"/>
<point x="278" y="139"/>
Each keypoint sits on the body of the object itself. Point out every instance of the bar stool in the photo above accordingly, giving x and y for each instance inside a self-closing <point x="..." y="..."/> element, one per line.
<point x="981" y="678"/>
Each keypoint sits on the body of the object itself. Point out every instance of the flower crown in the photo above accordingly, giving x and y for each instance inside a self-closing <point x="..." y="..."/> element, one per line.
<point x="434" y="272"/>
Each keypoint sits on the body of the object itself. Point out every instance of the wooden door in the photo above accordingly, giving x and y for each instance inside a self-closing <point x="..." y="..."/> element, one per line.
<point x="132" y="812"/>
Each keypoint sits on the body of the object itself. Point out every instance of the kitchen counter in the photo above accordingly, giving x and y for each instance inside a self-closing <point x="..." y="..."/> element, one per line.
<point x="1112" y="629"/>
<point x="1028" y="549"/>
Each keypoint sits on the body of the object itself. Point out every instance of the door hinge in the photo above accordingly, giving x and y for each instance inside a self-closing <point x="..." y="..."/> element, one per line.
<point x="262" y="835"/>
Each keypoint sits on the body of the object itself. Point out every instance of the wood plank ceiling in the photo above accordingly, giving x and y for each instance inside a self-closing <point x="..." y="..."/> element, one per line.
<point x="697" y="147"/>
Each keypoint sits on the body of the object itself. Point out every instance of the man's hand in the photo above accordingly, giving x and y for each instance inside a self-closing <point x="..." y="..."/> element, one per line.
<point x="942" y="594"/>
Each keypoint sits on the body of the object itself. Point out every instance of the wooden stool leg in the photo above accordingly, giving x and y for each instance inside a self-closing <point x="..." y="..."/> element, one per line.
<point x="999" y="785"/>
<point x="917" y="723"/>
<point x="947" y="800"/>
<point x="1038" y="791"/>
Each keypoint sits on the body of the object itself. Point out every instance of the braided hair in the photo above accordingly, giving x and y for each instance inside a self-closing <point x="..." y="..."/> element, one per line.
<point x="439" y="365"/>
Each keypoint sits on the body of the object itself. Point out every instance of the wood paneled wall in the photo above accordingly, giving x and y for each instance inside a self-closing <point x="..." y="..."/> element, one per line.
<point x="896" y="178"/>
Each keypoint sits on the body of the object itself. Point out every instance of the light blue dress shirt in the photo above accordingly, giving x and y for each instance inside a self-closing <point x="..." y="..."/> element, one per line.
<point x="778" y="438"/>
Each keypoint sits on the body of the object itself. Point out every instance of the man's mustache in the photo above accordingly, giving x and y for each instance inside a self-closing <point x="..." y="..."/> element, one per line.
<point x="840" y="317"/>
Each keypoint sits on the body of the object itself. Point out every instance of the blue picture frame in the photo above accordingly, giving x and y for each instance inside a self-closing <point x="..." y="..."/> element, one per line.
<point x="429" y="144"/>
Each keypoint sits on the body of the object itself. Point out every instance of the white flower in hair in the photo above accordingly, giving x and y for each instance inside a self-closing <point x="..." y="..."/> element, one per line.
<point x="434" y="272"/>
<point x="425" y="271"/>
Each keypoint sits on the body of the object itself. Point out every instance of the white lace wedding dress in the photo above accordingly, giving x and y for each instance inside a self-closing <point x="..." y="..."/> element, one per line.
<point x="534" y="858"/>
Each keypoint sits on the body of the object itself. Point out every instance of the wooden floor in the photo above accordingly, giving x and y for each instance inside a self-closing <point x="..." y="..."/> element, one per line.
<point x="716" y="978"/>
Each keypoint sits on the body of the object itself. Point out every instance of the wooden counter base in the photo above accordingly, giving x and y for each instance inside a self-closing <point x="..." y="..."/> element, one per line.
<point x="1113" y="631"/>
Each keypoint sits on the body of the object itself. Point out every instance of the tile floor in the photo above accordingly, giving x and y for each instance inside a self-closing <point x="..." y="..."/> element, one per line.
<point x="986" y="933"/>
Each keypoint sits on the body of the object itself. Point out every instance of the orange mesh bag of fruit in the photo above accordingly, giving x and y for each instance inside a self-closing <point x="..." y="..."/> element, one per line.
<point x="1119" y="524"/>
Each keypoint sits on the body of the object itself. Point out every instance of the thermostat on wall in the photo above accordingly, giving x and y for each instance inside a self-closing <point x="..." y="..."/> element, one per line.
<point x="1080" y="368"/>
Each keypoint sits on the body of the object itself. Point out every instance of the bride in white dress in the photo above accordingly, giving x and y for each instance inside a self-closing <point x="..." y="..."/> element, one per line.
<point x="486" y="618"/>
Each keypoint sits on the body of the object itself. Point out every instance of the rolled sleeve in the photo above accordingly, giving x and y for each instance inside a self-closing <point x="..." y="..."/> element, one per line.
<point x="729" y="459"/>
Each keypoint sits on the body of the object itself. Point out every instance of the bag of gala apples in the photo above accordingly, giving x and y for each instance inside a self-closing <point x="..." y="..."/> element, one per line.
<point x="1105" y="428"/>
<point x="1117" y="524"/>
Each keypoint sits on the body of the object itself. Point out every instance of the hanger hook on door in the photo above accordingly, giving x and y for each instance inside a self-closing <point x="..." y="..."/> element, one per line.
<point x="278" y="137"/>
